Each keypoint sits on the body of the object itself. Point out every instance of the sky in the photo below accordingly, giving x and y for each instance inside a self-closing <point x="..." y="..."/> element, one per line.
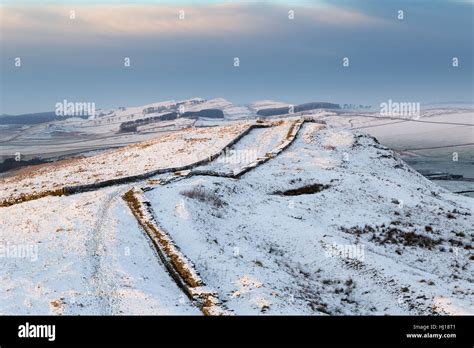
<point x="291" y="60"/>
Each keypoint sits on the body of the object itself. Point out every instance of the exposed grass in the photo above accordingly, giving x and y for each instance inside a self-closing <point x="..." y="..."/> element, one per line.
<point x="202" y="195"/>
<point x="305" y="190"/>
<point x="289" y="135"/>
<point x="392" y="234"/>
<point x="25" y="197"/>
<point x="395" y="236"/>
<point x="133" y="203"/>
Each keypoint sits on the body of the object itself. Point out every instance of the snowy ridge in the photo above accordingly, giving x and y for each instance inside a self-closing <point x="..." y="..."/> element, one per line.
<point x="329" y="190"/>
<point x="323" y="221"/>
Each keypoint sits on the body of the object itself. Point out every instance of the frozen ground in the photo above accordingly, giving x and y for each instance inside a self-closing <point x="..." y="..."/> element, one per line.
<point x="410" y="240"/>
<point x="253" y="146"/>
<point x="335" y="224"/>
<point x="439" y="131"/>
<point x="82" y="254"/>
<point x="174" y="150"/>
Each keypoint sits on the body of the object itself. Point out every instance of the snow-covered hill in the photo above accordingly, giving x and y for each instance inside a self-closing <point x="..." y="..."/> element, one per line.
<point x="293" y="218"/>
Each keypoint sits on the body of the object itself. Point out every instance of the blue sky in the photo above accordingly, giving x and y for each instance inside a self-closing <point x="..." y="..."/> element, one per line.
<point x="295" y="60"/>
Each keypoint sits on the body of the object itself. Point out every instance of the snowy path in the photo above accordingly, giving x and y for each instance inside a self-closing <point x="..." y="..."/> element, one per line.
<point x="101" y="274"/>
<point x="83" y="265"/>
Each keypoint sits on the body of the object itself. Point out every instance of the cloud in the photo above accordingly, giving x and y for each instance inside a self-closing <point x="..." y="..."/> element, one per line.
<point x="336" y="16"/>
<point x="93" y="23"/>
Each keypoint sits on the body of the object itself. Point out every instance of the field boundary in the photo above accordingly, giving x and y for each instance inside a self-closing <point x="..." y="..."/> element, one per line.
<point x="69" y="190"/>
<point x="180" y="268"/>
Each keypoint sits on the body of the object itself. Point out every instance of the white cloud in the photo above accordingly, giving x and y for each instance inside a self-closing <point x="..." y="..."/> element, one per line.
<point x="94" y="22"/>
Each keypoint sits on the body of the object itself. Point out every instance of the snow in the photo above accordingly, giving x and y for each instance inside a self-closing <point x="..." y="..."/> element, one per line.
<point x="255" y="145"/>
<point x="92" y="259"/>
<point x="267" y="104"/>
<point x="279" y="264"/>
<point x="174" y="150"/>
<point x="411" y="134"/>
<point x="261" y="248"/>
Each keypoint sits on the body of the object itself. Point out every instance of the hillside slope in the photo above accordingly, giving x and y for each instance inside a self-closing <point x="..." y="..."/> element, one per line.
<point x="336" y="224"/>
<point x="331" y="223"/>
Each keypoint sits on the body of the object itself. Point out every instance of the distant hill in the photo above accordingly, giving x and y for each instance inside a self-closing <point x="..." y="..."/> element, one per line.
<point x="131" y="126"/>
<point x="208" y="113"/>
<point x="297" y="108"/>
<point x="35" y="118"/>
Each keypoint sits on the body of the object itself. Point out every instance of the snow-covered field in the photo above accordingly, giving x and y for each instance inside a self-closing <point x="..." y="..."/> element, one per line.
<point x="436" y="130"/>
<point x="175" y="150"/>
<point x="334" y="224"/>
<point x="253" y="146"/>
<point x="82" y="254"/>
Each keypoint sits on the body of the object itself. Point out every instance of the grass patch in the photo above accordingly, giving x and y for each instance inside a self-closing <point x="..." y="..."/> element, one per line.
<point x="305" y="190"/>
<point x="25" y="197"/>
<point x="392" y="234"/>
<point x="202" y="195"/>
<point x="395" y="236"/>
